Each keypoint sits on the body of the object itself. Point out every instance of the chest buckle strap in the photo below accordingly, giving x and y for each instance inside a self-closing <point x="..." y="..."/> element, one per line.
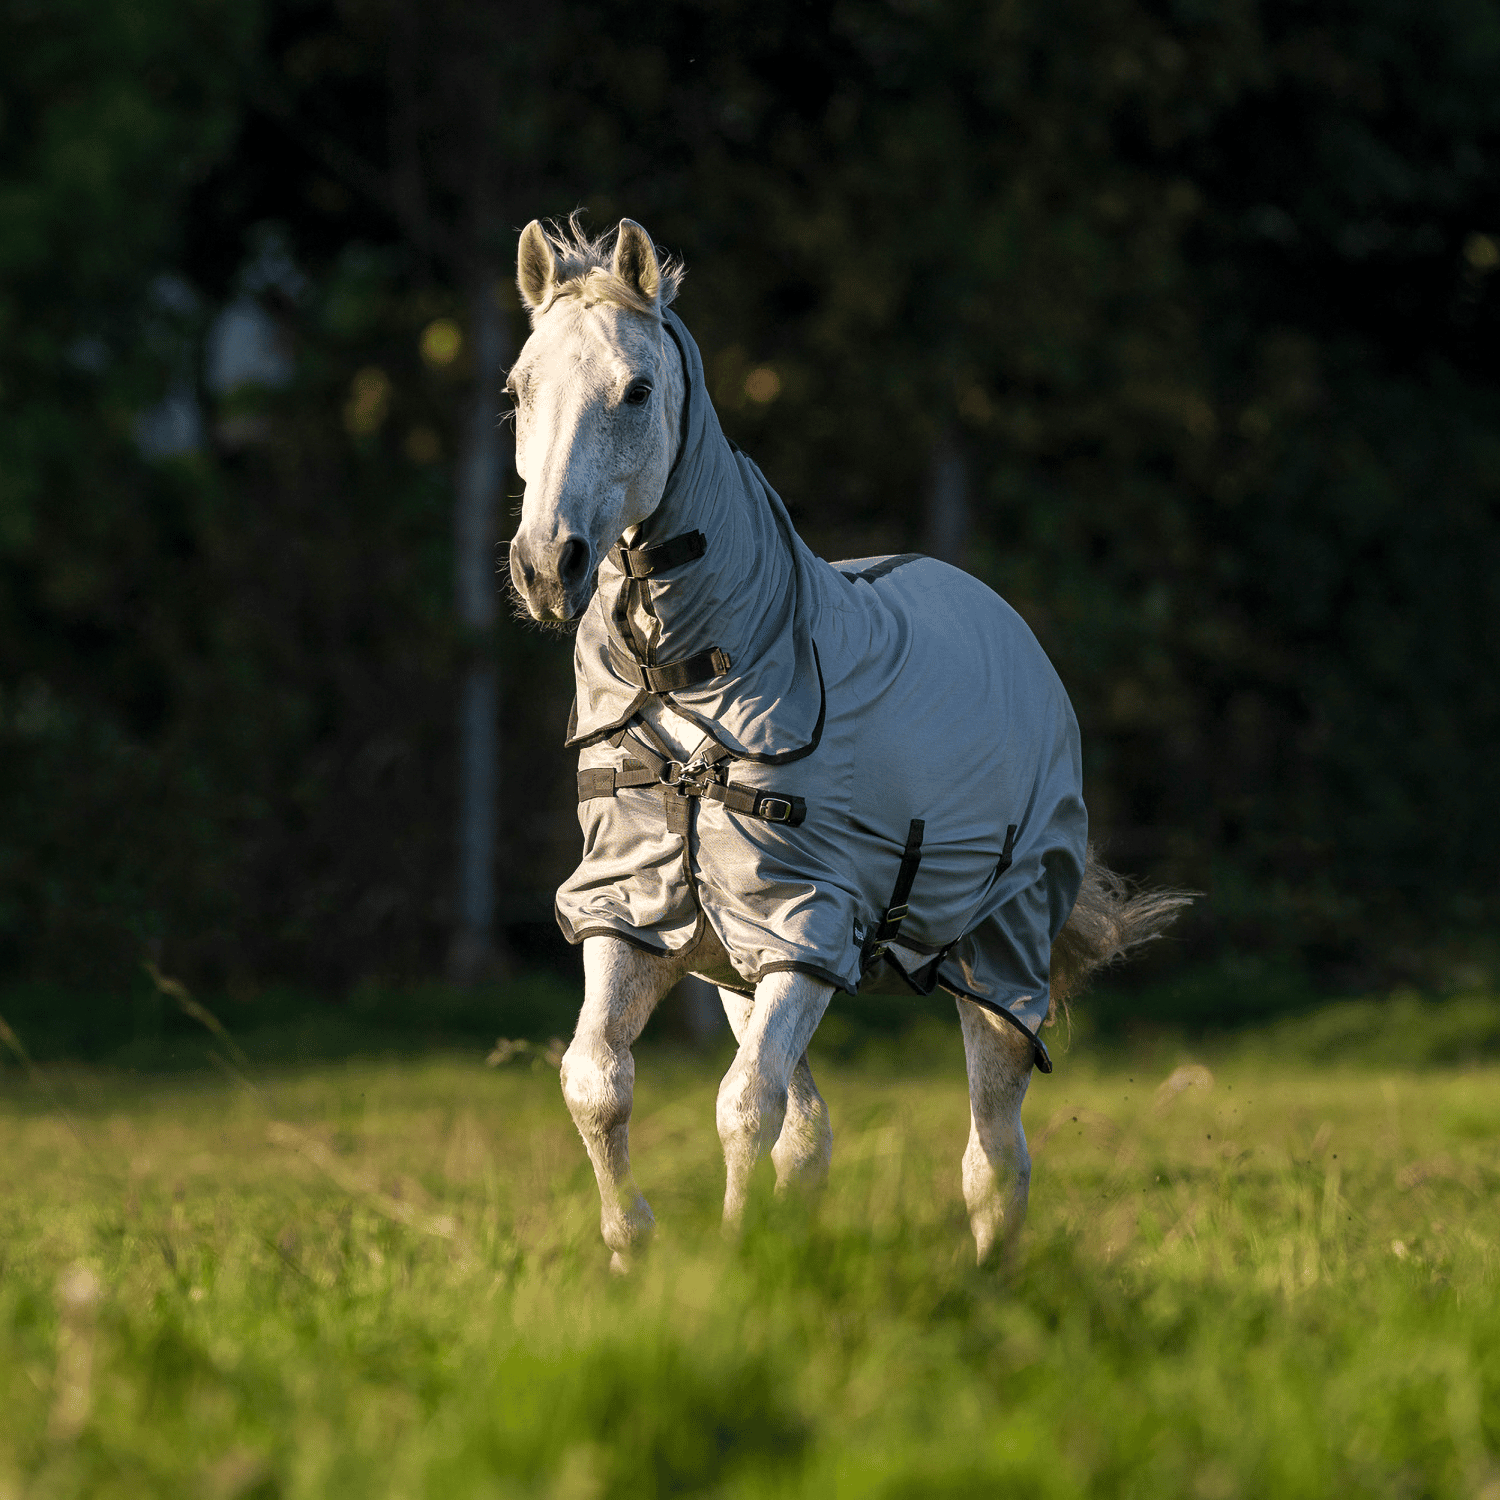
<point x="698" y="779"/>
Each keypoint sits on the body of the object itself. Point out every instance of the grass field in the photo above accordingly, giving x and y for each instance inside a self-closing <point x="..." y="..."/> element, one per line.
<point x="1265" y="1277"/>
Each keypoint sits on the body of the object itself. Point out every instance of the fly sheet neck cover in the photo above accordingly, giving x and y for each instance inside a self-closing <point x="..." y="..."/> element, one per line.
<point x="754" y="592"/>
<point x="868" y="696"/>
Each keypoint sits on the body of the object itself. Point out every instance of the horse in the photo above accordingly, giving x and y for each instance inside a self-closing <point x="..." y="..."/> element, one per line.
<point x="794" y="776"/>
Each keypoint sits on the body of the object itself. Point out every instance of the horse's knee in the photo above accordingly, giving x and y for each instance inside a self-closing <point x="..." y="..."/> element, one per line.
<point x="1004" y="1161"/>
<point x="597" y="1087"/>
<point x="985" y="1171"/>
<point x="750" y="1111"/>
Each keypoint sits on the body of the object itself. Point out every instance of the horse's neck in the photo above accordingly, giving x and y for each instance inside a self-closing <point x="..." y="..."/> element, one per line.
<point x="732" y="596"/>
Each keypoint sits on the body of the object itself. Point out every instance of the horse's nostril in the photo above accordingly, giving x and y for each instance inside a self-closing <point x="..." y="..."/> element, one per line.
<point x="573" y="561"/>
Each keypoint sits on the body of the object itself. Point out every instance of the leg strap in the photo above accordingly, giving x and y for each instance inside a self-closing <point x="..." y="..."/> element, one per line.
<point x="889" y="927"/>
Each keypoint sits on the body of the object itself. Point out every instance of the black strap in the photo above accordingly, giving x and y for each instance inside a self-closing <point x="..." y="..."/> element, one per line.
<point x="753" y="802"/>
<point x="647" y="562"/>
<point x="889" y="926"/>
<point x="1007" y="851"/>
<point x="769" y="807"/>
<point x="673" y="676"/>
<point x="658" y="752"/>
<point x="601" y="781"/>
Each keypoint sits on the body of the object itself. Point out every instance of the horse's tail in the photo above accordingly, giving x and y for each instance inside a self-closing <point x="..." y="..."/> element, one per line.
<point x="1110" y="921"/>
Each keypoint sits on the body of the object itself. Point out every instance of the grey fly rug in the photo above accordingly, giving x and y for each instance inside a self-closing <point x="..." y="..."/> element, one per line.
<point x="888" y="754"/>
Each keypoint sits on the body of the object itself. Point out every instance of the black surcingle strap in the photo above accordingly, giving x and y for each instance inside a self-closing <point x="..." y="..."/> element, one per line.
<point x="1007" y="853"/>
<point x="647" y="562"/>
<point x="889" y="926"/>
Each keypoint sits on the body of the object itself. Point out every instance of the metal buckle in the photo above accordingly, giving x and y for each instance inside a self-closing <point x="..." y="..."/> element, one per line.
<point x="775" y="809"/>
<point x="896" y="913"/>
<point x="690" y="772"/>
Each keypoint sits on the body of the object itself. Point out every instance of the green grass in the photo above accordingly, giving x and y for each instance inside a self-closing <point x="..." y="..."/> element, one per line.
<point x="374" y="1279"/>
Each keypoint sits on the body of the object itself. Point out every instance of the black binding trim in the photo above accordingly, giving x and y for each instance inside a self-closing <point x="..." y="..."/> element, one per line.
<point x="577" y="935"/>
<point x="647" y="562"/>
<point x="609" y="732"/>
<point x="924" y="979"/>
<point x="1039" y="1056"/>
<point x="781" y="757"/>
<point x="889" y="927"/>
<point x="800" y="966"/>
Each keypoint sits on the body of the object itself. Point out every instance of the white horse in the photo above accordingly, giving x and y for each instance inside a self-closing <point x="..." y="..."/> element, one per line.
<point x="603" y="390"/>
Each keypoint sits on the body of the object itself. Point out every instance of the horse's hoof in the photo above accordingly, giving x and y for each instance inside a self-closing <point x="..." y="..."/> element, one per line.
<point x="618" y="1265"/>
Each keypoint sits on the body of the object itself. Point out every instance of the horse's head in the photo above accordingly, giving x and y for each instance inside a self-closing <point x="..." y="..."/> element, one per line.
<point x="598" y="392"/>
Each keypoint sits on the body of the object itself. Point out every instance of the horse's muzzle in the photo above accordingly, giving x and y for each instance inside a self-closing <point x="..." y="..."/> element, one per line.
<point x="556" y="580"/>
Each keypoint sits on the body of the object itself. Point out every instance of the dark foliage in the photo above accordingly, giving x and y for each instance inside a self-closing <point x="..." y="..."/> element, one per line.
<point x="1207" y="297"/>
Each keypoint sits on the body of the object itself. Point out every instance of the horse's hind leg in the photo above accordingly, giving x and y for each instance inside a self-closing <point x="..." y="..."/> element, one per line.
<point x="997" y="1167"/>
<point x="804" y="1148"/>
<point x="622" y="986"/>
<point x="755" y="1096"/>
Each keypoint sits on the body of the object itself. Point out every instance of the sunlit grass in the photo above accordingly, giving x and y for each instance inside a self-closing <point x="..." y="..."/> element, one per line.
<point x="385" y="1279"/>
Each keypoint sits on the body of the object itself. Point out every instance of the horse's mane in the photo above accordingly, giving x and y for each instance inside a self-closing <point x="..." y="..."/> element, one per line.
<point x="585" y="269"/>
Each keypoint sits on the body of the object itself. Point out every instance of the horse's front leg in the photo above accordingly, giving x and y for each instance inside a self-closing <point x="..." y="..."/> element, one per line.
<point x="804" y="1148"/>
<point x="622" y="986"/>
<point x="752" y="1106"/>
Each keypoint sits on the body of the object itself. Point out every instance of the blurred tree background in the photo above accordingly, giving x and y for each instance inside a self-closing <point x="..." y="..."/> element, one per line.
<point x="1175" y="322"/>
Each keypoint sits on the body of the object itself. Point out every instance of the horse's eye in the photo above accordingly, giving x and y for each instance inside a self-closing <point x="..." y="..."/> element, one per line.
<point x="638" y="394"/>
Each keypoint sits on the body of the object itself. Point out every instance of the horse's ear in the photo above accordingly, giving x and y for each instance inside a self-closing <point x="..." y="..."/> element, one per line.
<point x="635" y="260"/>
<point x="536" y="266"/>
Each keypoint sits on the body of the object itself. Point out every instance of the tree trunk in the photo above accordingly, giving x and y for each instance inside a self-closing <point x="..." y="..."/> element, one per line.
<point x="476" y="953"/>
<point x="948" y="501"/>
